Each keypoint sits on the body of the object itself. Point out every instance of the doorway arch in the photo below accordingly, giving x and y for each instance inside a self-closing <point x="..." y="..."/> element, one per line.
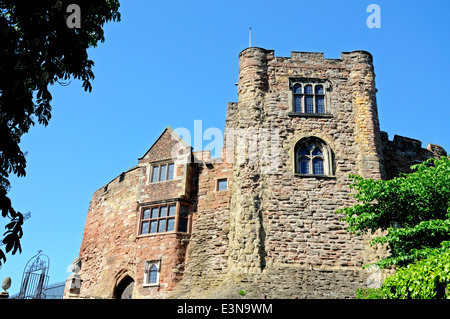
<point x="124" y="288"/>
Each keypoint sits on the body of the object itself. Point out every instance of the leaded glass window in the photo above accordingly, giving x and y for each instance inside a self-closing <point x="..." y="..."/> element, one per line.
<point x="160" y="219"/>
<point x="308" y="89"/>
<point x="153" y="275"/>
<point x="297" y="89"/>
<point x="308" y="98"/>
<point x="304" y="165"/>
<point x="309" y="104"/>
<point x="170" y="172"/>
<point x="318" y="166"/>
<point x="155" y="174"/>
<point x="162" y="172"/>
<point x="319" y="89"/>
<point x="298" y="104"/>
<point x="311" y="156"/>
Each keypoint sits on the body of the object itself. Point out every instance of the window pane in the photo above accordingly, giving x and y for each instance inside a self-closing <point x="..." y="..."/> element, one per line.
<point x="170" y="174"/>
<point x="318" y="166"/>
<point x="297" y="89"/>
<point x="182" y="225"/>
<point x="298" y="104"/>
<point x="184" y="211"/>
<point x="162" y="226"/>
<point x="162" y="175"/>
<point x="303" y="151"/>
<point x="172" y="210"/>
<point x="320" y="104"/>
<point x="155" y="211"/>
<point x="308" y="89"/>
<point x="171" y="224"/>
<point x="319" y="89"/>
<point x="309" y="104"/>
<point x="153" y="275"/>
<point x="153" y="225"/>
<point x="221" y="184"/>
<point x="155" y="174"/>
<point x="144" y="228"/>
<point x="146" y="214"/>
<point x="304" y="166"/>
<point x="317" y="151"/>
<point x="163" y="211"/>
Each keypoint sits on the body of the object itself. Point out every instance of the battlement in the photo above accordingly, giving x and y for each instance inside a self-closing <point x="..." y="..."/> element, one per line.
<point x="356" y="56"/>
<point x="403" y="152"/>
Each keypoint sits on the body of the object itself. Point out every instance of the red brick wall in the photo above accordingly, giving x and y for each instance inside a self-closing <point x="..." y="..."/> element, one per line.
<point x="112" y="249"/>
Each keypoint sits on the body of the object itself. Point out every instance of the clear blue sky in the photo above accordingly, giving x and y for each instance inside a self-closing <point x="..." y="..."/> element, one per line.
<point x="173" y="62"/>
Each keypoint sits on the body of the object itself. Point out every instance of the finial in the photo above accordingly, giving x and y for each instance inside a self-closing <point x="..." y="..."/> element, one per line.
<point x="6" y="284"/>
<point x="76" y="265"/>
<point x="250" y="38"/>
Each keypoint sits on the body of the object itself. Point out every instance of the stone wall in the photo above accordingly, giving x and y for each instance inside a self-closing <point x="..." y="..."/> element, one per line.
<point x="403" y="152"/>
<point x="113" y="250"/>
<point x="207" y="255"/>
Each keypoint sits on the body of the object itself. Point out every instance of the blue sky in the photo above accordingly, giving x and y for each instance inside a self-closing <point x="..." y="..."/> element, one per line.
<point x="173" y="62"/>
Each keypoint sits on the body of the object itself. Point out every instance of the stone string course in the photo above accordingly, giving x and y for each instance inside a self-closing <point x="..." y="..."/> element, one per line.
<point x="275" y="234"/>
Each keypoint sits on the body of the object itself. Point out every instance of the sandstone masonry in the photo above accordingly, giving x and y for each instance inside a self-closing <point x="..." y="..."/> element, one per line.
<point x="261" y="219"/>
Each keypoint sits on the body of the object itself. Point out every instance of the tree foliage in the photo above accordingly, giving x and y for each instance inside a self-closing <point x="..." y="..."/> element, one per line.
<point x="413" y="210"/>
<point x="38" y="49"/>
<point x="425" y="279"/>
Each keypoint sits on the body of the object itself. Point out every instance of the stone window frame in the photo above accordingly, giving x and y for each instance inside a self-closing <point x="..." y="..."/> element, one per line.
<point x="177" y="217"/>
<point x="147" y="267"/>
<point x="327" y="156"/>
<point x="152" y="167"/>
<point x="326" y="84"/>
<point x="217" y="180"/>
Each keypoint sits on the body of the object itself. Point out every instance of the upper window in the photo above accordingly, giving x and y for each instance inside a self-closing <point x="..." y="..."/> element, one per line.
<point x="162" y="172"/>
<point x="309" y="97"/>
<point x="164" y="218"/>
<point x="313" y="157"/>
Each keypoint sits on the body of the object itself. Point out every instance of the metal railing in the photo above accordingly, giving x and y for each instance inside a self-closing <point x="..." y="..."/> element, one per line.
<point x="53" y="291"/>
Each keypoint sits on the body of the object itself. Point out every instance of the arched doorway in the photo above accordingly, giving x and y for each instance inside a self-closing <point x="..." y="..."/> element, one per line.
<point x="124" y="289"/>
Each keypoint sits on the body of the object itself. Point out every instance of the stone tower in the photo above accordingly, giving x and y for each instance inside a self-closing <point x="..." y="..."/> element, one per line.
<point x="283" y="221"/>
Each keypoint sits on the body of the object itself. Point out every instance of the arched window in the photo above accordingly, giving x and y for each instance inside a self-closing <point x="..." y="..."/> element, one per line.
<point x="320" y="99"/>
<point x="298" y="97"/>
<point x="313" y="157"/>
<point x="153" y="274"/>
<point x="151" y="277"/>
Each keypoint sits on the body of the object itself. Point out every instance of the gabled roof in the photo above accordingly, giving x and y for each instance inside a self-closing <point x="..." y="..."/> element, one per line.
<point x="175" y="136"/>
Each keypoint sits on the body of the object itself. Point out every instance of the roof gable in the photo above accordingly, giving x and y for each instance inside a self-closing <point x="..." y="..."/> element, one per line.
<point x="165" y="147"/>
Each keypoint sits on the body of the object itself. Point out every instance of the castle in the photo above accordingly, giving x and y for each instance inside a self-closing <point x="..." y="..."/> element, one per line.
<point x="262" y="217"/>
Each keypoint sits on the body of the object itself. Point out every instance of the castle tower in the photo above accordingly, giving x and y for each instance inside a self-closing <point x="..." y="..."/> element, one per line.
<point x="367" y="128"/>
<point x="247" y="237"/>
<point x="323" y="113"/>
